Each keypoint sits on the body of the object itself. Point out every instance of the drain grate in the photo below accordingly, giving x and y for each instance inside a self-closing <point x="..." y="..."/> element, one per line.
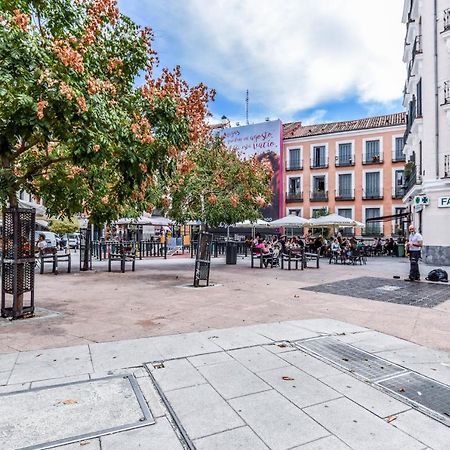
<point x="357" y="361"/>
<point x="423" y="392"/>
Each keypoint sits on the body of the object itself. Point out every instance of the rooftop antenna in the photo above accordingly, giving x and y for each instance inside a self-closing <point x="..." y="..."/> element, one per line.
<point x="246" y="107"/>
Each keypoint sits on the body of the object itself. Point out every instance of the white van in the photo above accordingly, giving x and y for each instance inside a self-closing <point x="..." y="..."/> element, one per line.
<point x="50" y="238"/>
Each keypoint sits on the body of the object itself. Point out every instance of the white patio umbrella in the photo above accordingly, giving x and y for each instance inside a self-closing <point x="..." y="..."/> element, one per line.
<point x="290" y="221"/>
<point x="333" y="220"/>
<point x="252" y="224"/>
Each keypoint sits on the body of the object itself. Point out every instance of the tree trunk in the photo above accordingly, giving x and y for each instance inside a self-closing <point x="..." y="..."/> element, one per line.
<point x="87" y="249"/>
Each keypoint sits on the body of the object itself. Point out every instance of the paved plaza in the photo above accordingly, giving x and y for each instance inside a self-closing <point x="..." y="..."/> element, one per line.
<point x="263" y="359"/>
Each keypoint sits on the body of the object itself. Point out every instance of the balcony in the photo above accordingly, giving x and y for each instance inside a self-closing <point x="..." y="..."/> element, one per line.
<point x="345" y="194"/>
<point x="372" y="194"/>
<point x="446" y="93"/>
<point x="411" y="178"/>
<point x="446" y="166"/>
<point x="322" y="164"/>
<point x="297" y="165"/>
<point x="398" y="192"/>
<point x="340" y="162"/>
<point x="375" y="159"/>
<point x="398" y="157"/>
<point x="447" y="19"/>
<point x="319" y="196"/>
<point x="417" y="47"/>
<point x="294" y="197"/>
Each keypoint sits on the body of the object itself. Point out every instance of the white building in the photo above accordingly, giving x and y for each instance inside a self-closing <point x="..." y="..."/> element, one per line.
<point x="427" y="137"/>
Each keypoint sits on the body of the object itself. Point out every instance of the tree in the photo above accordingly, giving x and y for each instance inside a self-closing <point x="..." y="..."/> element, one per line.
<point x="64" y="226"/>
<point x="215" y="185"/>
<point x="74" y="129"/>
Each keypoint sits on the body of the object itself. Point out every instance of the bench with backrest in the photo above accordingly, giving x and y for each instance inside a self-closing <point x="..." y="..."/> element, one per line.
<point x="125" y="252"/>
<point x="291" y="258"/>
<point x="314" y="257"/>
<point x="264" y="258"/>
<point x="51" y="256"/>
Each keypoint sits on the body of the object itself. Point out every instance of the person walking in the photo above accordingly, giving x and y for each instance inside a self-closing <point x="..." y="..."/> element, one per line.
<point x="414" y="246"/>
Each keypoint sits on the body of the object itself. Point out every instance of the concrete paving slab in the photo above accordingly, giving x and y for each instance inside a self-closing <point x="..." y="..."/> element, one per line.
<point x="183" y="345"/>
<point x="414" y="355"/>
<point x="69" y="411"/>
<point x="89" y="444"/>
<point x="238" y="439"/>
<point x="359" y="428"/>
<point x="7" y="361"/>
<point x="14" y="387"/>
<point x="54" y="363"/>
<point x="231" y="379"/>
<point x="210" y="358"/>
<point x="327" y="443"/>
<point x="432" y="433"/>
<point x="160" y="436"/>
<point x="203" y="411"/>
<point x="279" y="347"/>
<point x="238" y="337"/>
<point x="279" y="423"/>
<point x="300" y="388"/>
<point x="258" y="359"/>
<point x="176" y="374"/>
<point x="283" y="332"/>
<point x="327" y="326"/>
<point x="374" y="341"/>
<point x="55" y="381"/>
<point x="117" y="355"/>
<point x="365" y="395"/>
<point x="4" y="377"/>
<point x="309" y="364"/>
<point x="151" y="397"/>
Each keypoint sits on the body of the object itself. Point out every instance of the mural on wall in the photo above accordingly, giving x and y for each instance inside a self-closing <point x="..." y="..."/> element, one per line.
<point x="264" y="141"/>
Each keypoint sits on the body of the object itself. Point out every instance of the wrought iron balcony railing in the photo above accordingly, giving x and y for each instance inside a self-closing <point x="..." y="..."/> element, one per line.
<point x="345" y="194"/>
<point x="374" y="159"/>
<point x="319" y="196"/>
<point x="293" y="197"/>
<point x="447" y="19"/>
<point x="321" y="164"/>
<point x="373" y="194"/>
<point x="345" y="162"/>
<point x="297" y="165"/>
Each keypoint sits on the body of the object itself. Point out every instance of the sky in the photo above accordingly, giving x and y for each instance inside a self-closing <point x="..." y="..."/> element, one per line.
<point x="310" y="60"/>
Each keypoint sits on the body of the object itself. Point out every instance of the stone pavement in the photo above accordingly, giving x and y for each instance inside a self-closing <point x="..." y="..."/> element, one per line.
<point x="253" y="387"/>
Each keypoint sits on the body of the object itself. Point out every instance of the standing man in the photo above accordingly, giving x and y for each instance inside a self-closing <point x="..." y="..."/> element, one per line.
<point x="414" y="246"/>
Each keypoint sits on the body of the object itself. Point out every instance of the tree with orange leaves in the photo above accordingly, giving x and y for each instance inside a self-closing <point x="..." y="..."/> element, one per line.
<point x="74" y="128"/>
<point x="216" y="185"/>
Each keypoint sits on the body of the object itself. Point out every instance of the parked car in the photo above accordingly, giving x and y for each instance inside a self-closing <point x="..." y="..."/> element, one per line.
<point x="73" y="240"/>
<point x="50" y="238"/>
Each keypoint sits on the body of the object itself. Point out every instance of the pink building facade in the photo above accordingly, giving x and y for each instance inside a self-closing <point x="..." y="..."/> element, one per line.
<point x="353" y="168"/>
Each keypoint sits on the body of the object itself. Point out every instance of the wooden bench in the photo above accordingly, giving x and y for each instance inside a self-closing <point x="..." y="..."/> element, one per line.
<point x="292" y="258"/>
<point x="311" y="257"/>
<point x="54" y="259"/>
<point x="126" y="253"/>
<point x="268" y="258"/>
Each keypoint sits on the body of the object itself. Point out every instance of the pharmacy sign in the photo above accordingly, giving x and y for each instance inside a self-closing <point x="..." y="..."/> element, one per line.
<point x="444" y="202"/>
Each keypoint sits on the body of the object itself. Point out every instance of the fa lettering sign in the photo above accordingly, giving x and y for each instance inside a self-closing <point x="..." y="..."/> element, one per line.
<point x="444" y="202"/>
<point x="421" y="200"/>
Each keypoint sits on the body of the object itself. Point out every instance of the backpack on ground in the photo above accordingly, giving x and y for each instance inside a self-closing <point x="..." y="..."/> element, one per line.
<point x="438" y="275"/>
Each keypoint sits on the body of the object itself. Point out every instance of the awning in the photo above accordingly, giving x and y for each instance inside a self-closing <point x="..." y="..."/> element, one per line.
<point x="388" y="218"/>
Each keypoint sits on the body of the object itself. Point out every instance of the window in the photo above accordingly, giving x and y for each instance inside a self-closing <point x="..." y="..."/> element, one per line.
<point x="294" y="159"/>
<point x="372" y="151"/>
<point x="399" y="181"/>
<point x="319" y="156"/>
<point x="372" y="185"/>
<point x="319" y="183"/>
<point x="345" y="212"/>
<point x="319" y="212"/>
<point x="345" y="154"/>
<point x="373" y="227"/>
<point x="296" y="212"/>
<point x="419" y="98"/>
<point x="294" y="185"/>
<point x="399" y="144"/>
<point x="345" y="185"/>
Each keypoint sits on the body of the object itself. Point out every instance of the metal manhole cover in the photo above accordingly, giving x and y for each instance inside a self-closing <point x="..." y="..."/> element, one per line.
<point x="422" y="392"/>
<point x="360" y="363"/>
<point x="50" y="416"/>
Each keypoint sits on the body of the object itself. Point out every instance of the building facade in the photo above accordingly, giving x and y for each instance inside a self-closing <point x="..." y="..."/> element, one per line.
<point x="427" y="137"/>
<point x="354" y="168"/>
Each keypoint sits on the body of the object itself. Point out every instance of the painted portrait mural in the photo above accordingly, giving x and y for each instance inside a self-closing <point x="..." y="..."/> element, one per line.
<point x="263" y="140"/>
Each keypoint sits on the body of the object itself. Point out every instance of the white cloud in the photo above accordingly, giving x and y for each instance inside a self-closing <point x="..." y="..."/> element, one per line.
<point x="291" y="54"/>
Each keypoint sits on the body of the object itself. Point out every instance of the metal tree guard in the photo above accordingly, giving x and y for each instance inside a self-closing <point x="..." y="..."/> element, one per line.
<point x="18" y="262"/>
<point x="203" y="259"/>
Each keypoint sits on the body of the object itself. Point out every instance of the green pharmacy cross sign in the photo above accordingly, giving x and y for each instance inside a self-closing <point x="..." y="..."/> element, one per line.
<point x="421" y="200"/>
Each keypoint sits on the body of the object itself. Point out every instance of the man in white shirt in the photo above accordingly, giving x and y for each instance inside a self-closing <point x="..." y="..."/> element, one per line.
<point x="414" y="246"/>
